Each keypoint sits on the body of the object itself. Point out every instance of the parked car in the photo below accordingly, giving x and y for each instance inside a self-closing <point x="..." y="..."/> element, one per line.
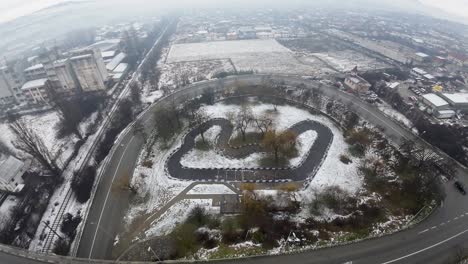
<point x="460" y="187"/>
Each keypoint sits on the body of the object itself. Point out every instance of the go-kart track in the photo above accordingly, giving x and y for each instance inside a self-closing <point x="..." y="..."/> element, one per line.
<point x="309" y="164"/>
<point x="435" y="240"/>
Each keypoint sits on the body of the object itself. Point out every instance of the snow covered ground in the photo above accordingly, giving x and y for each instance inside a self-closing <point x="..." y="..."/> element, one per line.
<point x="211" y="189"/>
<point x="346" y="60"/>
<point x="177" y="214"/>
<point x="6" y="210"/>
<point x="284" y="118"/>
<point x="397" y="116"/>
<point x="45" y="125"/>
<point x="154" y="185"/>
<point x="222" y="49"/>
<point x="264" y="56"/>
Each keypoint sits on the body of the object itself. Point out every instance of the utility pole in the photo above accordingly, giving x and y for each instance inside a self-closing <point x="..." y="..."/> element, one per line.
<point x="53" y="230"/>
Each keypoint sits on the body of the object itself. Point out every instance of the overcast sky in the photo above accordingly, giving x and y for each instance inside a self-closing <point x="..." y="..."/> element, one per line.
<point x="11" y="9"/>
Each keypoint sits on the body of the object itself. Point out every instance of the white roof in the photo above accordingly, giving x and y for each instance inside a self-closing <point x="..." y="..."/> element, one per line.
<point x="393" y="85"/>
<point x="457" y="98"/>
<point x="435" y="100"/>
<point x="85" y="56"/>
<point x="420" y="71"/>
<point x="34" y="84"/>
<point x="429" y="76"/>
<point x="122" y="67"/>
<point x="34" y="67"/>
<point x="423" y="55"/>
<point x="116" y="61"/>
<point x="11" y="167"/>
<point x="442" y="112"/>
<point x="109" y="53"/>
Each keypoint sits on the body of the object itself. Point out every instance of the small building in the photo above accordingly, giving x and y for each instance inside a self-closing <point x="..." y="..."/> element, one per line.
<point x="421" y="57"/>
<point x="393" y="85"/>
<point x="231" y="36"/>
<point x="12" y="171"/>
<point x="418" y="72"/>
<point x="35" y="92"/>
<point x="116" y="61"/>
<point x="357" y="83"/>
<point x="247" y="33"/>
<point x="444" y="114"/>
<point x="35" y="72"/>
<point x="435" y="103"/>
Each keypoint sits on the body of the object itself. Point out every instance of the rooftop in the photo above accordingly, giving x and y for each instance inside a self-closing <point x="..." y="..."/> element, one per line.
<point x="34" y="67"/>
<point x="34" y="84"/>
<point x="457" y="98"/>
<point x="11" y="167"/>
<point x="435" y="100"/>
<point x="116" y="61"/>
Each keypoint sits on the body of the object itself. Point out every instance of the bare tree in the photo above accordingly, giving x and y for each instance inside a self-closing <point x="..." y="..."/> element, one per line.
<point x="280" y="143"/>
<point x="29" y="142"/>
<point x="200" y="118"/>
<point x="243" y="119"/>
<point x="264" y="123"/>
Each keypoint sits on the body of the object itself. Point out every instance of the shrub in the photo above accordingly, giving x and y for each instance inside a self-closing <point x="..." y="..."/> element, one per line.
<point x="345" y="159"/>
<point x="82" y="183"/>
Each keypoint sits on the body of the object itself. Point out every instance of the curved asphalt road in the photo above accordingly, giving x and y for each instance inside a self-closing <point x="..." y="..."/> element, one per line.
<point x="436" y="240"/>
<point x="314" y="158"/>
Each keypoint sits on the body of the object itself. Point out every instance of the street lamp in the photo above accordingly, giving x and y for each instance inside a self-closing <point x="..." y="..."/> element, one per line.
<point x="150" y="249"/>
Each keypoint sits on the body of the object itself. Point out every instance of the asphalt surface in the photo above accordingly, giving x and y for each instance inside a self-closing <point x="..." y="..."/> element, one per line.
<point x="314" y="158"/>
<point x="436" y="240"/>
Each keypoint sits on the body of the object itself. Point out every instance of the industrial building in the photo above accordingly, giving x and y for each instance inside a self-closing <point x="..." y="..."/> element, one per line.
<point x="12" y="172"/>
<point x="458" y="101"/>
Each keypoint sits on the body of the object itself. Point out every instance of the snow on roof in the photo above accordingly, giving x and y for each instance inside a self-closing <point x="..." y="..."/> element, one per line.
<point x="435" y="100"/>
<point x="443" y="112"/>
<point x="393" y="85"/>
<point x="109" y="53"/>
<point x="116" y="61"/>
<point x="419" y="71"/>
<point x="11" y="167"/>
<point x="429" y="76"/>
<point x="80" y="57"/>
<point x="34" y="84"/>
<point x="122" y="67"/>
<point x="106" y="44"/>
<point x="34" y="67"/>
<point x="457" y="98"/>
<point x="423" y="55"/>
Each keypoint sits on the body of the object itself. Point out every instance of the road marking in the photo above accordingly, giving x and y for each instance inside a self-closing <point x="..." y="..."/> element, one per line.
<point x="462" y="215"/>
<point x="107" y="196"/>
<point x="456" y="218"/>
<point x="442" y="224"/>
<point x="434" y="227"/>
<point x="423" y="231"/>
<point x="427" y="248"/>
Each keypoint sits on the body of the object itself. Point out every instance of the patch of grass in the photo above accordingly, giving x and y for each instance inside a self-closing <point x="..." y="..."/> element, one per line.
<point x="232" y="252"/>
<point x="147" y="164"/>
<point x="203" y="146"/>
<point x="345" y="159"/>
<point x="270" y="162"/>
<point x="250" y="138"/>
<point x="357" y="151"/>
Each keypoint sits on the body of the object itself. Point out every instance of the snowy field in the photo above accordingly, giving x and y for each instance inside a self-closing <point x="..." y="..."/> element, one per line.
<point x="172" y="74"/>
<point x="264" y="56"/>
<point x="222" y="49"/>
<point x="45" y="125"/>
<point x="346" y="60"/>
<point x="397" y="116"/>
<point x="211" y="189"/>
<point x="176" y="214"/>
